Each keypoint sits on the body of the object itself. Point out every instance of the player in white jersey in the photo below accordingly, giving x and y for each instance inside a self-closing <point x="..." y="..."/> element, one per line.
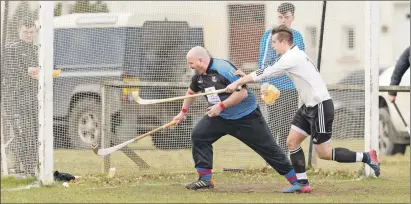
<point x="314" y="117"/>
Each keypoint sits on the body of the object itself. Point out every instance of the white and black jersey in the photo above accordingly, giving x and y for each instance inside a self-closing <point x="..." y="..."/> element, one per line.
<point x="302" y="71"/>
<point x="316" y="115"/>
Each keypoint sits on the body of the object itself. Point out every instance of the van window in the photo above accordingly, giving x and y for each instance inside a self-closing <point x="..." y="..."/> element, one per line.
<point x="89" y="47"/>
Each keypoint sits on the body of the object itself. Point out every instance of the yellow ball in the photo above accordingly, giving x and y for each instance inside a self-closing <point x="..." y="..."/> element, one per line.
<point x="269" y="93"/>
<point x="56" y="73"/>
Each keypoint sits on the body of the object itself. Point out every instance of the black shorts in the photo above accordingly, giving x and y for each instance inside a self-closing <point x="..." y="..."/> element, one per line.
<point x="316" y="121"/>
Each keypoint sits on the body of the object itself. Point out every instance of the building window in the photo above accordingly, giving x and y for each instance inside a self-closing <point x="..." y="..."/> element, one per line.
<point x="349" y="51"/>
<point x="311" y="41"/>
<point x="312" y="36"/>
<point x="349" y="38"/>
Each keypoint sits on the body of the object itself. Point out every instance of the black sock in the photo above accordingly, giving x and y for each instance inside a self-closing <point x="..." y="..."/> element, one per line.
<point x="298" y="160"/>
<point x="365" y="157"/>
<point x="343" y="155"/>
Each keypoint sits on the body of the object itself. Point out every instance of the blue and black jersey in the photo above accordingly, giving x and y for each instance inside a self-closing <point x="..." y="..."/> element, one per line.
<point x="219" y="75"/>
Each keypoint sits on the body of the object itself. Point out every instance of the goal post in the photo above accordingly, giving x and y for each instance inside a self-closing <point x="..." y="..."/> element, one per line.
<point x="45" y="95"/>
<point x="372" y="46"/>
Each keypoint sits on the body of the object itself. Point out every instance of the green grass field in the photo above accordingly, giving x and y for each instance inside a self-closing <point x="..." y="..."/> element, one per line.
<point x="170" y="170"/>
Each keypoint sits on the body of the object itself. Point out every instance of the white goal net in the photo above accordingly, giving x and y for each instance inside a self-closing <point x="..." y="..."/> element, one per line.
<point x="106" y="50"/>
<point x="19" y="89"/>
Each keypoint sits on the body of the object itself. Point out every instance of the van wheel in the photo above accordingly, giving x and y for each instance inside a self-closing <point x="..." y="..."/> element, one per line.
<point x="85" y="123"/>
<point x="386" y="133"/>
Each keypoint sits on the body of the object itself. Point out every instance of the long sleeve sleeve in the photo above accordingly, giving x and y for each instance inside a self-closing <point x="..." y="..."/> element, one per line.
<point x="401" y="67"/>
<point x="276" y="70"/>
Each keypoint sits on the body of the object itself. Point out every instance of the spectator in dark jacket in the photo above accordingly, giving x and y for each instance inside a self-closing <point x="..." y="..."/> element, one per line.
<point x="400" y="68"/>
<point x="19" y="95"/>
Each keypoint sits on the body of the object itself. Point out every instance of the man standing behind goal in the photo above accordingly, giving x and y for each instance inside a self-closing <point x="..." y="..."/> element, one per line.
<point x="20" y="88"/>
<point x="314" y="117"/>
<point x="236" y="114"/>
<point x="285" y="107"/>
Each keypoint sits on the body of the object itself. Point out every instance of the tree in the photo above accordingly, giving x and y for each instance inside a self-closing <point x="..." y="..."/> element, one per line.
<point x="81" y="7"/>
<point x="87" y="7"/>
<point x="100" y="7"/>
<point x="58" y="9"/>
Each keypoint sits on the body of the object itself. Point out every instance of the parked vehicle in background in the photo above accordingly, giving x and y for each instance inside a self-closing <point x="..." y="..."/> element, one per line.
<point x="92" y="48"/>
<point x="349" y="110"/>
<point x="394" y="137"/>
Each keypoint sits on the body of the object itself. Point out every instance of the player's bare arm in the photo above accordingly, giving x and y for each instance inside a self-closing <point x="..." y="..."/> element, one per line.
<point x="186" y="105"/>
<point x="234" y="99"/>
<point x="240" y="73"/>
<point x="244" y="80"/>
<point x="257" y="76"/>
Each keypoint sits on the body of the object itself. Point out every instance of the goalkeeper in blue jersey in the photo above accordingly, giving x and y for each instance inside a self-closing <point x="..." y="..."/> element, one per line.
<point x="282" y="112"/>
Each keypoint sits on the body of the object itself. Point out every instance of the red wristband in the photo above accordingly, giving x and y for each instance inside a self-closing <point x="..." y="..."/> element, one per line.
<point x="190" y="93"/>
<point x="222" y="106"/>
<point x="184" y="110"/>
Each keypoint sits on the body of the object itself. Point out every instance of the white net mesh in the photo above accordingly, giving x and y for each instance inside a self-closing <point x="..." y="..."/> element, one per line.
<point x="19" y="88"/>
<point x="113" y="43"/>
<point x="245" y="25"/>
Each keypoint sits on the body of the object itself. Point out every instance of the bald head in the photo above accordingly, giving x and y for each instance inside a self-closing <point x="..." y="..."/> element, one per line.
<point x="198" y="59"/>
<point x="198" y="52"/>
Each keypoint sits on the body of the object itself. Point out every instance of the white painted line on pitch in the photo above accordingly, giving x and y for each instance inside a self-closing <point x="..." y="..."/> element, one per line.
<point x="158" y="184"/>
<point x="98" y="188"/>
<point x="133" y="185"/>
<point x="33" y="185"/>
